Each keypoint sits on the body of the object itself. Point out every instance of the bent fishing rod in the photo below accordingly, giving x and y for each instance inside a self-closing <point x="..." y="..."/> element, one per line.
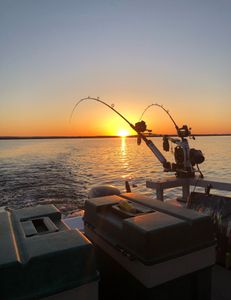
<point x="182" y="132"/>
<point x="185" y="158"/>
<point x="139" y="128"/>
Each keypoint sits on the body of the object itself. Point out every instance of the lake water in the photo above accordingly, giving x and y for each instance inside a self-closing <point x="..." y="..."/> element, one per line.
<point x="61" y="171"/>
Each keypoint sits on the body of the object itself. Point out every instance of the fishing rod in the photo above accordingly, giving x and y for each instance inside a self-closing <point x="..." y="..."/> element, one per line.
<point x="104" y="103"/>
<point x="185" y="157"/>
<point x="139" y="127"/>
<point x="161" y="106"/>
<point x="182" y="132"/>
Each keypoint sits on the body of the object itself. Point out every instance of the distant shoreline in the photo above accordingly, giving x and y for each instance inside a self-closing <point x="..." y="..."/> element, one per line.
<point x="94" y="137"/>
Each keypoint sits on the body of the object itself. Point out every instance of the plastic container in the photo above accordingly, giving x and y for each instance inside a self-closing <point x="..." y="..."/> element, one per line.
<point x="150" y="249"/>
<point x="41" y="257"/>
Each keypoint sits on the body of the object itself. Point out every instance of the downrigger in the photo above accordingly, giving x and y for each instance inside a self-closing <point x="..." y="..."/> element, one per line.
<point x="186" y="158"/>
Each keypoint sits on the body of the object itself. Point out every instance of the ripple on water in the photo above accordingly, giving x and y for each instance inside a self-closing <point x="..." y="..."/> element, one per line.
<point x="61" y="172"/>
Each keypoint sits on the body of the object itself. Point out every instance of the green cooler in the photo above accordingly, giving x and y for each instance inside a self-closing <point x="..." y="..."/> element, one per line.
<point x="41" y="258"/>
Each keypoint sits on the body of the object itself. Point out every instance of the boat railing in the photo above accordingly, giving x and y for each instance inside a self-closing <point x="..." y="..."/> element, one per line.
<point x="186" y="183"/>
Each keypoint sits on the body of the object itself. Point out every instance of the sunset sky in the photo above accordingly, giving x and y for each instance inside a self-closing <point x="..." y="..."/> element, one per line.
<point x="129" y="53"/>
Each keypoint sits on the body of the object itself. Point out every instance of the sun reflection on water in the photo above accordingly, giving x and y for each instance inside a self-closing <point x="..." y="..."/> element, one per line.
<point x="124" y="158"/>
<point x="123" y="147"/>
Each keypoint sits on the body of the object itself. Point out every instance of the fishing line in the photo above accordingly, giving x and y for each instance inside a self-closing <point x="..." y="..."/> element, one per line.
<point x="194" y="188"/>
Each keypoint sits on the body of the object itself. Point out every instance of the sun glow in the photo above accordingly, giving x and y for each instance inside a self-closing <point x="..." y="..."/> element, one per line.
<point x="123" y="133"/>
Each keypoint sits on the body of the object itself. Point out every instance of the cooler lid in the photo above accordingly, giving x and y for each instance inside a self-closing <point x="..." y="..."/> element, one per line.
<point x="147" y="229"/>
<point x="40" y="256"/>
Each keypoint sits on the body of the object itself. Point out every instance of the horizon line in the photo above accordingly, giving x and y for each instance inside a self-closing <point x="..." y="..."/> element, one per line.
<point x="11" y="137"/>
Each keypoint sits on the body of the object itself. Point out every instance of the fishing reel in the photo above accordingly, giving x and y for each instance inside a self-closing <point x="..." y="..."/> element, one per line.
<point x="141" y="127"/>
<point x="184" y="131"/>
<point x="185" y="157"/>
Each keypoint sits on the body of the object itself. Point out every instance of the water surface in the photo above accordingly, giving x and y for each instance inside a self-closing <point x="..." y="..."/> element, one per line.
<point x="61" y="171"/>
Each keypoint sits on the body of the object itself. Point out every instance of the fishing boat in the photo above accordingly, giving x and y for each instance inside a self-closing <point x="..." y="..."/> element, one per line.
<point x="125" y="245"/>
<point x="156" y="254"/>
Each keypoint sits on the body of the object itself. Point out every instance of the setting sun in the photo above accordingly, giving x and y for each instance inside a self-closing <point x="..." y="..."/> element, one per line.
<point x="123" y="132"/>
